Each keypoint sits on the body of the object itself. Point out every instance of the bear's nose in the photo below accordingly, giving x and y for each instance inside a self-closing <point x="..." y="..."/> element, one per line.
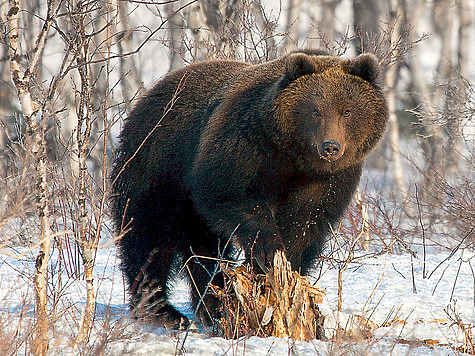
<point x="331" y="148"/>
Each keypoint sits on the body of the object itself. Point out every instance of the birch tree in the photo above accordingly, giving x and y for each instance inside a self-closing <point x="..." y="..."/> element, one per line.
<point x="391" y="75"/>
<point x="431" y="101"/>
<point x="367" y="21"/>
<point x="34" y="113"/>
<point x="292" y="26"/>
<point x="461" y="88"/>
<point x="131" y="80"/>
<point x="176" y="29"/>
<point x="322" y="30"/>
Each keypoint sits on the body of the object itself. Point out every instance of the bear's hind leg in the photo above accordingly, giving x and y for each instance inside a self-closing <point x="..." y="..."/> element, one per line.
<point x="160" y="221"/>
<point x="149" y="292"/>
<point x="148" y="252"/>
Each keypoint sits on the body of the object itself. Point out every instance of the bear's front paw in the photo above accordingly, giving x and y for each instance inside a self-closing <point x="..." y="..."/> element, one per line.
<point x="263" y="253"/>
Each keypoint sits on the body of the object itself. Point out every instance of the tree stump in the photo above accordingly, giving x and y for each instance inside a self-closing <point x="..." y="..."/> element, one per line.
<point x="281" y="303"/>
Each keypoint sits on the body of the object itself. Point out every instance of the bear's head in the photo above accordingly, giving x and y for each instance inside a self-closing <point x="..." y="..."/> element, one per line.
<point x="332" y="111"/>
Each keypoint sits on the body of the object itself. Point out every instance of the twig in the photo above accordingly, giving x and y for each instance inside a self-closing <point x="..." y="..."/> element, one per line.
<point x="414" y="290"/>
<point x="473" y="275"/>
<point x="217" y="267"/>
<point x="441" y="276"/>
<point x="456" y="277"/>
<point x="423" y="234"/>
<point x="452" y="252"/>
<point x="374" y="289"/>
<point x="394" y="267"/>
<point x="34" y="247"/>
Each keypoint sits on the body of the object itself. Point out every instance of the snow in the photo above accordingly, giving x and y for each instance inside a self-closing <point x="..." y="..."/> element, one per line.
<point x="382" y="288"/>
<point x="379" y="288"/>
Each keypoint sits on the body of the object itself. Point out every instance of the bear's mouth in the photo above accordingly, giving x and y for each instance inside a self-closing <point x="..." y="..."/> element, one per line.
<point x="330" y="159"/>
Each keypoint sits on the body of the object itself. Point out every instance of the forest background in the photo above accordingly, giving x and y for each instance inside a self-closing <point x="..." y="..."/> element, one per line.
<point x="71" y="70"/>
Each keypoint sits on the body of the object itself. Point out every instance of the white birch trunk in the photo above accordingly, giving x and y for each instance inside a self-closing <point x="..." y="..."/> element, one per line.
<point x="37" y="149"/>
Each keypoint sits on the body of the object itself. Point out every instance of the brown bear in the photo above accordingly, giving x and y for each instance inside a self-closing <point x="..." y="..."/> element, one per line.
<point x="223" y="155"/>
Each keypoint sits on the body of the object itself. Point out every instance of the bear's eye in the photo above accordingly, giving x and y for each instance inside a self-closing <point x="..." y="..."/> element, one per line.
<point x="347" y="113"/>
<point x="316" y="112"/>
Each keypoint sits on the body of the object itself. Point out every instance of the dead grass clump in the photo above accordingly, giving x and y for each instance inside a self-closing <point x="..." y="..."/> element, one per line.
<point x="281" y="303"/>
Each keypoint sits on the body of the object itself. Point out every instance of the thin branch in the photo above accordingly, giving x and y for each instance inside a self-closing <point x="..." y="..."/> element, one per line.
<point x="423" y="234"/>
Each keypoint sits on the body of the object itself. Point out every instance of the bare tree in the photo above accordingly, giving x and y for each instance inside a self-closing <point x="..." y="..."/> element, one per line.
<point x="176" y="28"/>
<point x="215" y="25"/>
<point x="33" y="113"/>
<point x="131" y="81"/>
<point x="465" y="23"/>
<point x="461" y="88"/>
<point x="431" y="102"/>
<point x="391" y="75"/>
<point x="234" y="29"/>
<point x="292" y="26"/>
<point x="83" y="45"/>
<point x="367" y="17"/>
<point x="7" y="94"/>
<point x="79" y="18"/>
<point x="322" y="30"/>
<point x="265" y="27"/>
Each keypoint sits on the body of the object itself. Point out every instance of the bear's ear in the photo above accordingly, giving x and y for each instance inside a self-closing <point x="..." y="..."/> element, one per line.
<point x="295" y="66"/>
<point x="365" y="66"/>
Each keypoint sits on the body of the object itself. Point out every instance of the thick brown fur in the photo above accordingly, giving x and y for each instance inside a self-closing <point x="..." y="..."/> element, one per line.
<point x="266" y="155"/>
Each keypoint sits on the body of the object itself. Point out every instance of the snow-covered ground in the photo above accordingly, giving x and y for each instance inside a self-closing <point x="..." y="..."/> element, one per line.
<point x="389" y="290"/>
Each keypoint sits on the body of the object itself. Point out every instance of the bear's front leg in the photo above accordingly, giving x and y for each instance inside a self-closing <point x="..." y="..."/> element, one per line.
<point x="259" y="236"/>
<point x="251" y="224"/>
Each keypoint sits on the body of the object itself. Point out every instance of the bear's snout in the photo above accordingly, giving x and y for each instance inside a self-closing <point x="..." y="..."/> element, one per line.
<point x="331" y="150"/>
